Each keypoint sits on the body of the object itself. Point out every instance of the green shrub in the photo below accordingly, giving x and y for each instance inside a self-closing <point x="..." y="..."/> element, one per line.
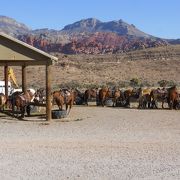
<point x="134" y="82"/>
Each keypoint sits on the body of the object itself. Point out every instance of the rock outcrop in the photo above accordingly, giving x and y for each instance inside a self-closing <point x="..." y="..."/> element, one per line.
<point x="95" y="43"/>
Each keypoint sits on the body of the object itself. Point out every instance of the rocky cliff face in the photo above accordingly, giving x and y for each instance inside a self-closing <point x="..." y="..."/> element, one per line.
<point x="88" y="36"/>
<point x="95" y="43"/>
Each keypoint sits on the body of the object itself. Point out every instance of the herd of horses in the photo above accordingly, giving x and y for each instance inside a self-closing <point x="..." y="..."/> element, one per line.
<point x="146" y="98"/>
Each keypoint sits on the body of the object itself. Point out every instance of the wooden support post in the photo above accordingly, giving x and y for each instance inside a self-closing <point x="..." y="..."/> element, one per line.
<point x="6" y="80"/>
<point x="48" y="92"/>
<point x="24" y="80"/>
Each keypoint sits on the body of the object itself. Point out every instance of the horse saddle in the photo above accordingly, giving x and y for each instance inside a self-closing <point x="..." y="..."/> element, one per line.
<point x="65" y="93"/>
<point x="23" y="98"/>
<point x="162" y="92"/>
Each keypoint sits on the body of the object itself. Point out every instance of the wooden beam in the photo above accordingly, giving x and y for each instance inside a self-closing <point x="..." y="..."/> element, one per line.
<point x="24" y="80"/>
<point x="20" y="63"/>
<point x="48" y="92"/>
<point x="6" y="80"/>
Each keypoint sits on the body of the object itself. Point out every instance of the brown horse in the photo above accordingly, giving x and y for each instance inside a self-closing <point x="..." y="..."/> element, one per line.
<point x="89" y="94"/>
<point x="62" y="97"/>
<point x="128" y="94"/>
<point x="158" y="95"/>
<point x="3" y="100"/>
<point x="21" y="100"/>
<point x="116" y="95"/>
<point x="104" y="94"/>
<point x="173" y="97"/>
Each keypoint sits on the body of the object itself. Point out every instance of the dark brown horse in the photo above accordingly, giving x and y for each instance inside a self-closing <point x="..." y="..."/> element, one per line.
<point x="90" y="94"/>
<point x="63" y="97"/>
<point x="78" y="97"/>
<point x="21" y="101"/>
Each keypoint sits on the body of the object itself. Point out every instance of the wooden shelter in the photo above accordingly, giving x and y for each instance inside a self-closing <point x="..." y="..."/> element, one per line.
<point x="17" y="53"/>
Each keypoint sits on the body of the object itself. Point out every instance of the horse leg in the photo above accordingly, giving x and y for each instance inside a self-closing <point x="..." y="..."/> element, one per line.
<point x="28" y="110"/>
<point x="68" y="111"/>
<point x="60" y="107"/>
<point x="85" y="100"/>
<point x="114" y="102"/>
<point x="103" y="102"/>
<point x="70" y="106"/>
<point x="13" y="107"/>
<point x="156" y="104"/>
<point x="145" y="103"/>
<point x="175" y="104"/>
<point x="66" y="106"/>
<point x="127" y="104"/>
<point x="163" y="104"/>
<point x="171" y="105"/>
<point x="22" y="109"/>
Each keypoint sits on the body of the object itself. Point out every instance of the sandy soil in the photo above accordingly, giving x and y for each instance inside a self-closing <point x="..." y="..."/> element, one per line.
<point x="93" y="143"/>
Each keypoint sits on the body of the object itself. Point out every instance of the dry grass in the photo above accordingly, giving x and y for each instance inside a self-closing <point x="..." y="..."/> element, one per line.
<point x="151" y="65"/>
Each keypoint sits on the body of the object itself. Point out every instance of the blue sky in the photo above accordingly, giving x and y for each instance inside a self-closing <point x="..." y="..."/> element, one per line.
<point x="160" y="18"/>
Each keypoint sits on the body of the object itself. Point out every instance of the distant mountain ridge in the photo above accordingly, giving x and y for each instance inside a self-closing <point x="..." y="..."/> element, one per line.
<point x="12" y="27"/>
<point x="92" y="25"/>
<point x="88" y="36"/>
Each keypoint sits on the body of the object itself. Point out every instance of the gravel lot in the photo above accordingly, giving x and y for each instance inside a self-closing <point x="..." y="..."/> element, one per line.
<point x="93" y="143"/>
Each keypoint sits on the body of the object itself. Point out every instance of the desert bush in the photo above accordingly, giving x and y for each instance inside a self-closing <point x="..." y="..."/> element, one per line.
<point x="145" y="84"/>
<point x="134" y="82"/>
<point x="72" y="84"/>
<point x="111" y="84"/>
<point x="123" y="84"/>
<point x="171" y="83"/>
<point x="91" y="86"/>
<point x="163" y="83"/>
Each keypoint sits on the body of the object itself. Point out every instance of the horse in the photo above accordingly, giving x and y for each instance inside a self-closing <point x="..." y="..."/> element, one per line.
<point x="160" y="95"/>
<point x="3" y="101"/>
<point x="40" y="96"/>
<point x="173" y="97"/>
<point x="104" y="94"/>
<point x="116" y="95"/>
<point x="78" y="97"/>
<point x="129" y="94"/>
<point x="63" y="96"/>
<point x="89" y="94"/>
<point x="144" y="98"/>
<point x="21" y="100"/>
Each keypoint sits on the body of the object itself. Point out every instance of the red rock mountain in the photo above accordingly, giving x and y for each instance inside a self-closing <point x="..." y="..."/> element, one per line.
<point x="88" y="36"/>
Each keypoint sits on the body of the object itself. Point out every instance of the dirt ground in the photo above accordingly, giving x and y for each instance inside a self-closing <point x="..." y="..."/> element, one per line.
<point x="92" y="143"/>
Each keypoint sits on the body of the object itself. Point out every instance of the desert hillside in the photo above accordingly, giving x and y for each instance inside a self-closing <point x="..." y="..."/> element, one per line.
<point x="149" y="66"/>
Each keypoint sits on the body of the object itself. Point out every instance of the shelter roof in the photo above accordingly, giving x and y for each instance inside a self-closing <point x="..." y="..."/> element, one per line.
<point x="14" y="52"/>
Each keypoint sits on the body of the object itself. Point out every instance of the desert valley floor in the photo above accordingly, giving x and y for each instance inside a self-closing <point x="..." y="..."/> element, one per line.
<point x="93" y="143"/>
